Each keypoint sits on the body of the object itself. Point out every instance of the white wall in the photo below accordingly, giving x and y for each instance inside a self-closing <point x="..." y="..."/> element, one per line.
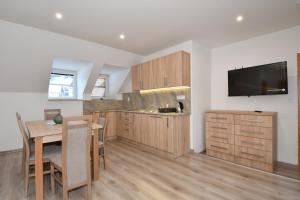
<point x="26" y="56"/>
<point x="31" y="107"/>
<point x="200" y="84"/>
<point x="200" y="95"/>
<point x="28" y="53"/>
<point x="278" y="46"/>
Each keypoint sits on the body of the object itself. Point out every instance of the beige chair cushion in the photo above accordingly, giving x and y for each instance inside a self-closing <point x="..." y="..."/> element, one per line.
<point x="48" y="152"/>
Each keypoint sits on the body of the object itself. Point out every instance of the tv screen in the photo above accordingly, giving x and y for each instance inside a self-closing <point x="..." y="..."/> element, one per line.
<point x="269" y="79"/>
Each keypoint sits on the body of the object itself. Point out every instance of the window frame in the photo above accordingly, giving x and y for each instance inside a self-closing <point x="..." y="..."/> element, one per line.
<point x="106" y="93"/>
<point x="74" y="85"/>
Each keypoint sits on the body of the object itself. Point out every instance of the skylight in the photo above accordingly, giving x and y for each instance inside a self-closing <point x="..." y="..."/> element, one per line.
<point x="62" y="86"/>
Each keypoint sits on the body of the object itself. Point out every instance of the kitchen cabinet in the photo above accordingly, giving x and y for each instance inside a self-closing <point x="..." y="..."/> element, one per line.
<point x="147" y="75"/>
<point x="136" y="77"/>
<point x="169" y="134"/>
<point x="167" y="71"/>
<point x="125" y="126"/>
<point x="111" y="126"/>
<point x="111" y="129"/>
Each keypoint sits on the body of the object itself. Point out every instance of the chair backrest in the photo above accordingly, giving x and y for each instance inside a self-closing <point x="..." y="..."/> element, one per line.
<point x="76" y="144"/>
<point x="103" y="122"/>
<point x="49" y="114"/>
<point x="24" y="135"/>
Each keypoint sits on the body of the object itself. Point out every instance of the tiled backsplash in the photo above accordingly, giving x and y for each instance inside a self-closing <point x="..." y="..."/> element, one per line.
<point x="154" y="99"/>
<point x="102" y="105"/>
<point x="146" y="100"/>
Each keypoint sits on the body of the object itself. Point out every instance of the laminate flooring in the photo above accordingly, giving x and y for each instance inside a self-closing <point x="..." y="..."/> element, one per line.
<point x="140" y="175"/>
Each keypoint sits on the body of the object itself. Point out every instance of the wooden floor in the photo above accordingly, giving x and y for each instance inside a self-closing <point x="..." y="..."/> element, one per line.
<point x="135" y="174"/>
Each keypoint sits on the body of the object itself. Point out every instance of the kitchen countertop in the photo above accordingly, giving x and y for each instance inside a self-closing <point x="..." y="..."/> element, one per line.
<point x="146" y="112"/>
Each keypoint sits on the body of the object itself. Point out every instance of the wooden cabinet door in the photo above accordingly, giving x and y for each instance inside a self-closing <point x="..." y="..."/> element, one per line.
<point x="162" y="133"/>
<point x="119" y="125"/>
<point x="147" y="75"/>
<point x="111" y="128"/>
<point x="131" y="132"/>
<point x="158" y="76"/>
<point x="172" y="68"/>
<point x="138" y="127"/>
<point x="177" y="69"/>
<point x="144" y="129"/>
<point x="136" y="77"/>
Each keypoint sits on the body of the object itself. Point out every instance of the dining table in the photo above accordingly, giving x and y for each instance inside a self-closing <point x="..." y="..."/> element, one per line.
<point x="43" y="132"/>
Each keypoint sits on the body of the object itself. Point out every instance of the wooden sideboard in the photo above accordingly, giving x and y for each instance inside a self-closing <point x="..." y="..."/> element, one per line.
<point x="242" y="137"/>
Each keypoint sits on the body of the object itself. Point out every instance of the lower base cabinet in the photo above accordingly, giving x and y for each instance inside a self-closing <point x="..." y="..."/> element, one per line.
<point x="169" y="134"/>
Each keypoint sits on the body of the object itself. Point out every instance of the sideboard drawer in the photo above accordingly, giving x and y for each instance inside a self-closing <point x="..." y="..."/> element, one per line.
<point x="254" y="120"/>
<point x="219" y="118"/>
<point x="220" y="137"/>
<point x="220" y="147"/>
<point x="253" y="154"/>
<point x="255" y="143"/>
<point x="254" y="131"/>
<point x="219" y="128"/>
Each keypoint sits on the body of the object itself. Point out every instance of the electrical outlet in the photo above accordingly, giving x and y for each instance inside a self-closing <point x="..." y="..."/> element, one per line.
<point x="128" y="99"/>
<point x="180" y="97"/>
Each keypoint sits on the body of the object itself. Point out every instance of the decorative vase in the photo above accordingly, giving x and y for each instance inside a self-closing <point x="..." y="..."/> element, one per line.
<point x="58" y="119"/>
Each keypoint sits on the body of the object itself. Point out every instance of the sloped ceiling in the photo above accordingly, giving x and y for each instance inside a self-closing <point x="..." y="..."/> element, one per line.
<point x="151" y="25"/>
<point x="26" y="56"/>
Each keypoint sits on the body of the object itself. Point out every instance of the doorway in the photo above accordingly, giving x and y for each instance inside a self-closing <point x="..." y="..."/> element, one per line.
<point x="298" y="85"/>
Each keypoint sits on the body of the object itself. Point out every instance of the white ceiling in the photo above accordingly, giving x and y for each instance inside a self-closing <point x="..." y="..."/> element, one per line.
<point x="151" y="25"/>
<point x="70" y="64"/>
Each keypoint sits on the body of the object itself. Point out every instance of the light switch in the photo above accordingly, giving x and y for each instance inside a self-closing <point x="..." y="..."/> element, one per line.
<point x="180" y="97"/>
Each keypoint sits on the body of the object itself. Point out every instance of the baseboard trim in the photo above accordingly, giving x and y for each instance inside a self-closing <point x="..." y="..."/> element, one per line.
<point x="10" y="151"/>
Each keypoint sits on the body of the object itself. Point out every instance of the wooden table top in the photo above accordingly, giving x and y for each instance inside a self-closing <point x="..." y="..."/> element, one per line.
<point x="45" y="128"/>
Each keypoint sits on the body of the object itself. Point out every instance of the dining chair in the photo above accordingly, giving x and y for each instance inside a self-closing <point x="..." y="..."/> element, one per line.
<point x="49" y="114"/>
<point x="103" y="122"/>
<point x="28" y="154"/>
<point x="71" y="167"/>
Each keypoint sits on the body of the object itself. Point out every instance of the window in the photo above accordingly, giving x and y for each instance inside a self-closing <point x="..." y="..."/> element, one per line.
<point x="100" y="89"/>
<point x="62" y="85"/>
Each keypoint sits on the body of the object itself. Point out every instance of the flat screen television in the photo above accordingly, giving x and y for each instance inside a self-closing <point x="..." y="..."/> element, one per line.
<point x="269" y="79"/>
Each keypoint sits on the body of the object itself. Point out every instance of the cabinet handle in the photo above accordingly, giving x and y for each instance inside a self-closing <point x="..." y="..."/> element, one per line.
<point x="155" y="116"/>
<point x="252" y="133"/>
<point x="222" y="118"/>
<point x="251" y="154"/>
<point x="221" y="128"/>
<point x="252" y="143"/>
<point x="224" y="148"/>
<point x="224" y="138"/>
<point x="168" y="122"/>
<point x="253" y="120"/>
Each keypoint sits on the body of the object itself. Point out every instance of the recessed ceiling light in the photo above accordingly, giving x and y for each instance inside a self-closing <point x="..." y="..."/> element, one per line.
<point x="58" y="15"/>
<point x="239" y="18"/>
<point x="122" y="36"/>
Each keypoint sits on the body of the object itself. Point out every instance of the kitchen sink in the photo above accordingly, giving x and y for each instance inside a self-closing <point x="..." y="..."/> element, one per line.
<point x="167" y="110"/>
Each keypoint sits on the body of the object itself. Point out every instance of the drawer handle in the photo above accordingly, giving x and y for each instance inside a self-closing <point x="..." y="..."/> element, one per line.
<point x="224" y="138"/>
<point x="252" y="143"/>
<point x="155" y="116"/>
<point x="222" y="118"/>
<point x="252" y="133"/>
<point x="253" y="120"/>
<point x="251" y="154"/>
<point x="224" y="148"/>
<point x="221" y="128"/>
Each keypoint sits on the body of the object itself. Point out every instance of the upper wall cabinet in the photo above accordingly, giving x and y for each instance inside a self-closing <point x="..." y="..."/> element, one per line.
<point x="168" y="71"/>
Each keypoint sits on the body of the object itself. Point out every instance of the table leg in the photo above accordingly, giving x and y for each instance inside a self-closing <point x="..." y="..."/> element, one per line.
<point x="39" y="186"/>
<point x="96" y="155"/>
